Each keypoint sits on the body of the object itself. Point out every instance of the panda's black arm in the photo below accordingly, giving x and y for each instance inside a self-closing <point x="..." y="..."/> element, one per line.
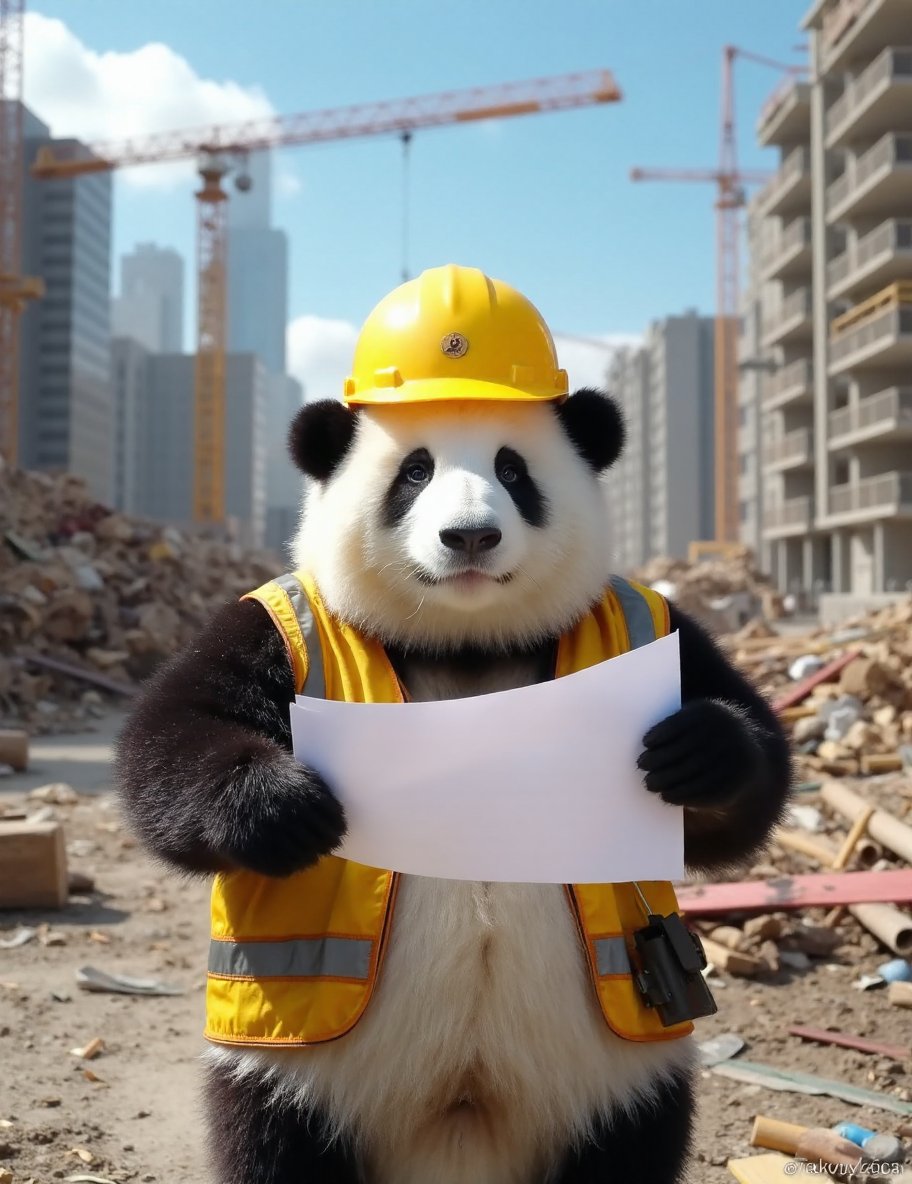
<point x="724" y="757"/>
<point x="204" y="762"/>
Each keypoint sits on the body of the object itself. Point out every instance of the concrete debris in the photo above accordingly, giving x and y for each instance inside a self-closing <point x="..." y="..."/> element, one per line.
<point x="98" y="594"/>
<point x="857" y="721"/>
<point x="724" y="592"/>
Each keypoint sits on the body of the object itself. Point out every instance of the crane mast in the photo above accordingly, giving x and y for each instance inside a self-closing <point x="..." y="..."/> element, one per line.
<point x="730" y="183"/>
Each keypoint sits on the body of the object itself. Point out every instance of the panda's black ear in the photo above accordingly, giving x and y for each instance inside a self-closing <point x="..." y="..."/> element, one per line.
<point x="319" y="437"/>
<point x="594" y="425"/>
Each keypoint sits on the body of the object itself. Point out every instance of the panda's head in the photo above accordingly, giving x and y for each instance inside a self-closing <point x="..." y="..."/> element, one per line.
<point x="463" y="523"/>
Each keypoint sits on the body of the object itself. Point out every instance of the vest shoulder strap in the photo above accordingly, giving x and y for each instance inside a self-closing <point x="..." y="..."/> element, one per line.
<point x="286" y="602"/>
<point x="645" y="611"/>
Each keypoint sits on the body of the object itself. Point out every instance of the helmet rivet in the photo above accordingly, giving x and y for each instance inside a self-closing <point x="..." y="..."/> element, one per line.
<point x="454" y="345"/>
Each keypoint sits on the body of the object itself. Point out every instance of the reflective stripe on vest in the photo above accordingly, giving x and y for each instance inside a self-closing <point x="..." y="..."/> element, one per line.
<point x="313" y="957"/>
<point x="640" y="626"/>
<point x="295" y="961"/>
<point x="611" y="955"/>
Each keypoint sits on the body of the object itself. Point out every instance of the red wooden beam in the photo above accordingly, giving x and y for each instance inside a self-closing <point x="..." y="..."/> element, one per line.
<point x="898" y="1052"/>
<point x="825" y="890"/>
<point x="801" y="690"/>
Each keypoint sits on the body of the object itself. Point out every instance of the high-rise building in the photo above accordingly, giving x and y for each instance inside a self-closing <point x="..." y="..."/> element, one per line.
<point x="155" y="404"/>
<point x="835" y="244"/>
<point x="662" y="489"/>
<point x="284" y="483"/>
<point x="150" y="307"/>
<point x="257" y="271"/>
<point x="627" y="482"/>
<point x="65" y="399"/>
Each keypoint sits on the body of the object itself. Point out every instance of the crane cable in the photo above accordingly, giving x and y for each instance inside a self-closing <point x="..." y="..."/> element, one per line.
<point x="405" y="138"/>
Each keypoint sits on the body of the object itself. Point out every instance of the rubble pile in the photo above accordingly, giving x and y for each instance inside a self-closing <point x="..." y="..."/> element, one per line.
<point x="845" y="694"/>
<point x="723" y="592"/>
<point x="97" y="591"/>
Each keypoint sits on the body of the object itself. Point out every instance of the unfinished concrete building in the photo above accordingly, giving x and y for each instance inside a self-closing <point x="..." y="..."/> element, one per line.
<point x="835" y="250"/>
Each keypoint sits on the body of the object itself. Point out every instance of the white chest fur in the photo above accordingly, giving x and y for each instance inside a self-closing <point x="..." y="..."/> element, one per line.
<point x="483" y="1050"/>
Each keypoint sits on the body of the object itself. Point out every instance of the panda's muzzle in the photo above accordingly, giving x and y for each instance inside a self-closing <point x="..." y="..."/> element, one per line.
<point x="471" y="540"/>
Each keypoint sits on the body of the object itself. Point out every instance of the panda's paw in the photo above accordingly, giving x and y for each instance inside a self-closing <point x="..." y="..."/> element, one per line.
<point x="285" y="823"/>
<point x="703" y="756"/>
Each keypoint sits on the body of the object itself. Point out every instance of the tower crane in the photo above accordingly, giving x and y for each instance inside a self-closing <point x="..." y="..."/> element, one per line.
<point x="223" y="150"/>
<point x="15" y="289"/>
<point x="731" y="183"/>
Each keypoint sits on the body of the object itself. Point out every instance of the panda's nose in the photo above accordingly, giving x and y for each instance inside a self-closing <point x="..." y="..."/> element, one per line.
<point x="471" y="539"/>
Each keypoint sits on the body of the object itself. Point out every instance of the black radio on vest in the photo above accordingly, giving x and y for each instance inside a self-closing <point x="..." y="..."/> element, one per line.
<point x="671" y="980"/>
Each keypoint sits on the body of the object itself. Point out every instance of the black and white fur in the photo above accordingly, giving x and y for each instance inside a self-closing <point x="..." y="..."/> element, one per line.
<point x="466" y="537"/>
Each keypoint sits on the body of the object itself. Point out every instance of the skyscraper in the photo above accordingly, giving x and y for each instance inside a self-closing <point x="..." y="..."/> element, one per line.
<point x="661" y="490"/>
<point x="66" y="408"/>
<point x="257" y="271"/>
<point x="154" y="395"/>
<point x="150" y="307"/>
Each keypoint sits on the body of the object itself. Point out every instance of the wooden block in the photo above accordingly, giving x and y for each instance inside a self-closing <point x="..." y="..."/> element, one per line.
<point x="761" y="1169"/>
<point x="900" y="994"/>
<point x="33" y="872"/>
<point x="742" y="965"/>
<point x="14" y="749"/>
<point x="881" y="762"/>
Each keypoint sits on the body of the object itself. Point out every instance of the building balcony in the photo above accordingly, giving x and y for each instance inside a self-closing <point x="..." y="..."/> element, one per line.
<point x="878" y="100"/>
<point x="788" y="192"/>
<point x="855" y="29"/>
<point x="879" y="181"/>
<point x="877" y="332"/>
<point x="789" y="384"/>
<point x="791" y="451"/>
<point x="788" y="254"/>
<point x="791" y="321"/>
<point x="874" y="260"/>
<point x="785" y="117"/>
<point x="888" y="495"/>
<point x="885" y="418"/>
<point x="788" y="518"/>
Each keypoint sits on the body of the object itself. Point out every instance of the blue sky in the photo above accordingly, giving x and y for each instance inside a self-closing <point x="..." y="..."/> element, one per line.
<point x="544" y="202"/>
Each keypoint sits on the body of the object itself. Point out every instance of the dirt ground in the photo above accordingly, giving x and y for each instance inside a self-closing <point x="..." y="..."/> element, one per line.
<point x="132" y="1113"/>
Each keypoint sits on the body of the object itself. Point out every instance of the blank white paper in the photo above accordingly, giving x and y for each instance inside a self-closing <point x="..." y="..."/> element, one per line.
<point x="533" y="785"/>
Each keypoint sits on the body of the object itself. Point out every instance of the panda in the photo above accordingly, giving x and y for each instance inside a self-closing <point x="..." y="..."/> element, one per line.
<point x="455" y="525"/>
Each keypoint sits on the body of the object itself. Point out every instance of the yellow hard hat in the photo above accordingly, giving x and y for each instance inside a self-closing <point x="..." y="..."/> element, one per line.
<point x="454" y="333"/>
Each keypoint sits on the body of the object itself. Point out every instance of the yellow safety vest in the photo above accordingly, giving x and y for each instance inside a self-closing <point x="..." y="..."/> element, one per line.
<point x="295" y="961"/>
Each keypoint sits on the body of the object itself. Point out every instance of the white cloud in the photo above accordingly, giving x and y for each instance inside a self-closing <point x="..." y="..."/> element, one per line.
<point x="287" y="182"/>
<point x="116" y="96"/>
<point x="320" y="354"/>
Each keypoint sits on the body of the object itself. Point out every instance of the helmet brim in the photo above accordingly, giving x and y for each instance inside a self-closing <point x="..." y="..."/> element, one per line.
<point x="451" y="390"/>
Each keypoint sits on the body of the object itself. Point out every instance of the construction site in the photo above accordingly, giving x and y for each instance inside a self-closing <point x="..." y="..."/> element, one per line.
<point x="765" y="490"/>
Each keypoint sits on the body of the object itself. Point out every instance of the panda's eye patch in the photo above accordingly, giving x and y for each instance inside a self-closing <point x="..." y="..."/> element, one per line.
<point x="509" y="466"/>
<point x="513" y="474"/>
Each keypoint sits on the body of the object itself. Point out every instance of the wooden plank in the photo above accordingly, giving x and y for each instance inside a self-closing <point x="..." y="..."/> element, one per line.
<point x="33" y="870"/>
<point x="823" y="890"/>
<point x="898" y="1052"/>
<point x="802" y="689"/>
<point x="761" y="1169"/>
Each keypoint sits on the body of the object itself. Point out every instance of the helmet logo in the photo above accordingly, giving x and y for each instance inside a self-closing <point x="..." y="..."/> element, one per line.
<point x="454" y="345"/>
